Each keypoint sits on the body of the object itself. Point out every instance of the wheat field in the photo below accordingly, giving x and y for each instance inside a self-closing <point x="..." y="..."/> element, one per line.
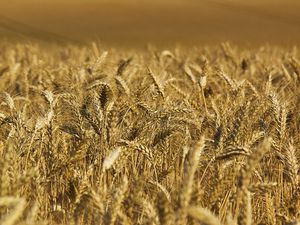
<point x="95" y="135"/>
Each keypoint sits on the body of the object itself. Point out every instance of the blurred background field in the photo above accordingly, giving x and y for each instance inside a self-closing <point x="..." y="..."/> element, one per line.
<point x="132" y="22"/>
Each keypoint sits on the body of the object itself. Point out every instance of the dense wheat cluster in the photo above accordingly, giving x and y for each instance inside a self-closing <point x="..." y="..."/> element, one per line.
<point x="90" y="135"/>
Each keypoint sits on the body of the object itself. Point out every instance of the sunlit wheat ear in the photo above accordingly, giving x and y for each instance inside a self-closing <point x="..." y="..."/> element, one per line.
<point x="95" y="49"/>
<point x="5" y="180"/>
<point x="163" y="189"/>
<point x="202" y="84"/>
<point x="157" y="84"/>
<point x="292" y="166"/>
<point x="230" y="152"/>
<point x="49" y="97"/>
<point x="253" y="160"/>
<point x="111" y="159"/>
<point x="230" y="220"/>
<point x="102" y="58"/>
<point x="223" y="184"/>
<point x="203" y="81"/>
<point x="179" y="91"/>
<point x="42" y="122"/>
<point x="246" y="171"/>
<point x="167" y="53"/>
<point x="270" y="209"/>
<point x="245" y="217"/>
<point x="122" y="66"/>
<point x="286" y="73"/>
<point x="296" y="67"/>
<point x="253" y="88"/>
<point x="204" y="216"/>
<point x="189" y="73"/>
<point x="262" y="187"/>
<point x="105" y="95"/>
<point x="227" y="79"/>
<point x="111" y="215"/>
<point x="122" y="84"/>
<point x="8" y="100"/>
<point x="150" y="212"/>
<point x="82" y="201"/>
<point x="190" y="166"/>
